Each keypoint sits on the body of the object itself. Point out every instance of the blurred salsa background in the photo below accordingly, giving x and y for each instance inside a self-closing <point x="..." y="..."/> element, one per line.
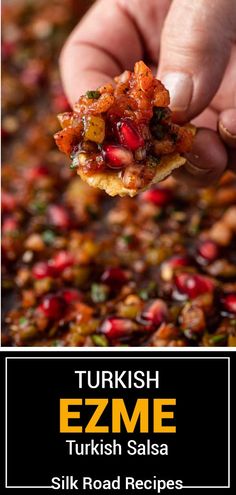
<point x="33" y="34"/>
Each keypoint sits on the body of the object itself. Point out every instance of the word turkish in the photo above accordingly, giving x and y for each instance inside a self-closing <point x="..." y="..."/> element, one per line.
<point x="117" y="379"/>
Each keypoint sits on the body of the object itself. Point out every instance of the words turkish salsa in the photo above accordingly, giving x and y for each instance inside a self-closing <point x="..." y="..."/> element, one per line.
<point x="121" y="138"/>
<point x="83" y="269"/>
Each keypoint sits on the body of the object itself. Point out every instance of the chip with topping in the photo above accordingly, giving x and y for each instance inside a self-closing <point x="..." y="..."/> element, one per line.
<point x="121" y="138"/>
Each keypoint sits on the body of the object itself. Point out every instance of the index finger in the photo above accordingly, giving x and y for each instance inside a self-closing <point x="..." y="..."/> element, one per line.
<point x="101" y="46"/>
<point x="110" y="39"/>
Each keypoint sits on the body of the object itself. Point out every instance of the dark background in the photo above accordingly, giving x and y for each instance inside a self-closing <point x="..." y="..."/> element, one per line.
<point x="197" y="453"/>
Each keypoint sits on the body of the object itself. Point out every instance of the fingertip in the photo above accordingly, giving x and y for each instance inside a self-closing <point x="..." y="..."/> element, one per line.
<point x="194" y="36"/>
<point x="227" y="126"/>
<point x="77" y="78"/>
<point x="206" y="162"/>
<point x="180" y="87"/>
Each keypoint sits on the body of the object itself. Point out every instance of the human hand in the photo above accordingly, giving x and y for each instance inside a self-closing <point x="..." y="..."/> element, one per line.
<point x="194" y="46"/>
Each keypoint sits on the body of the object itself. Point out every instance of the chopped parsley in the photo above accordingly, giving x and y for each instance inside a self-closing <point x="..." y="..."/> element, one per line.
<point x="39" y="207"/>
<point x="158" y="131"/>
<point x="152" y="161"/>
<point x="99" y="293"/>
<point x="174" y="136"/>
<point x="56" y="343"/>
<point x="22" y="320"/>
<point x="92" y="211"/>
<point x="93" y="95"/>
<point x="48" y="237"/>
<point x="159" y="113"/>
<point x="217" y="338"/>
<point x="128" y="238"/>
<point x="74" y="164"/>
<point x="100" y="340"/>
<point x="13" y="233"/>
<point x="147" y="291"/>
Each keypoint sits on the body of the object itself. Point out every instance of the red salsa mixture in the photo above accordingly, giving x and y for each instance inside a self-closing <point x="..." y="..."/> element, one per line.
<point x="126" y="127"/>
<point x="81" y="268"/>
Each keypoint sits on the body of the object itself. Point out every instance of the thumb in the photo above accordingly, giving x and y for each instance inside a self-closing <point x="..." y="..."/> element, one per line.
<point x="195" y="48"/>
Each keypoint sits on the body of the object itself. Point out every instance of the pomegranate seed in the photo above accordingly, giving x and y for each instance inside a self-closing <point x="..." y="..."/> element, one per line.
<point x="117" y="156"/>
<point x="53" y="306"/>
<point x="193" y="285"/>
<point x="155" y="312"/>
<point x="62" y="260"/>
<point x="158" y="196"/>
<point x="32" y="75"/>
<point x="8" y="201"/>
<point x="129" y="135"/>
<point x="177" y="260"/>
<point x="229" y="302"/>
<point x="71" y="295"/>
<point x="209" y="250"/>
<point x="10" y="224"/>
<point x="35" y="173"/>
<point x="168" y="267"/>
<point x="42" y="269"/>
<point x="116" y="328"/>
<point x="4" y="133"/>
<point x="59" y="216"/>
<point x="8" y="48"/>
<point x="60" y="103"/>
<point x="114" y="276"/>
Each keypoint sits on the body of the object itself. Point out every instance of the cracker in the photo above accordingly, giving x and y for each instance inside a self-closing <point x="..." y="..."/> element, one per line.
<point x="112" y="184"/>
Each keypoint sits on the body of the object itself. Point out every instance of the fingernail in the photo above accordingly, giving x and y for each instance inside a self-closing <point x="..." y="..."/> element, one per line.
<point x="194" y="165"/>
<point x="180" y="86"/>
<point x="195" y="170"/>
<point x="226" y="135"/>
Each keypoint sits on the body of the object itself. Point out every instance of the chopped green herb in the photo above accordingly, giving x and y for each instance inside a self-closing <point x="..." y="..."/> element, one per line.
<point x="152" y="161"/>
<point x="174" y="136"/>
<point x="217" y="338"/>
<point x="190" y="334"/>
<point x="158" y="131"/>
<point x="91" y="210"/>
<point x="146" y="292"/>
<point x="22" y="320"/>
<point x="100" y="340"/>
<point x="39" y="207"/>
<point x="93" y="95"/>
<point x="75" y="160"/>
<point x="159" y="113"/>
<point x="74" y="164"/>
<point x="56" y="343"/>
<point x="13" y="233"/>
<point x="99" y="293"/>
<point x="7" y="284"/>
<point x="159" y="215"/>
<point x="74" y="151"/>
<point x="48" y="237"/>
<point x="128" y="238"/>
<point x="194" y="229"/>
